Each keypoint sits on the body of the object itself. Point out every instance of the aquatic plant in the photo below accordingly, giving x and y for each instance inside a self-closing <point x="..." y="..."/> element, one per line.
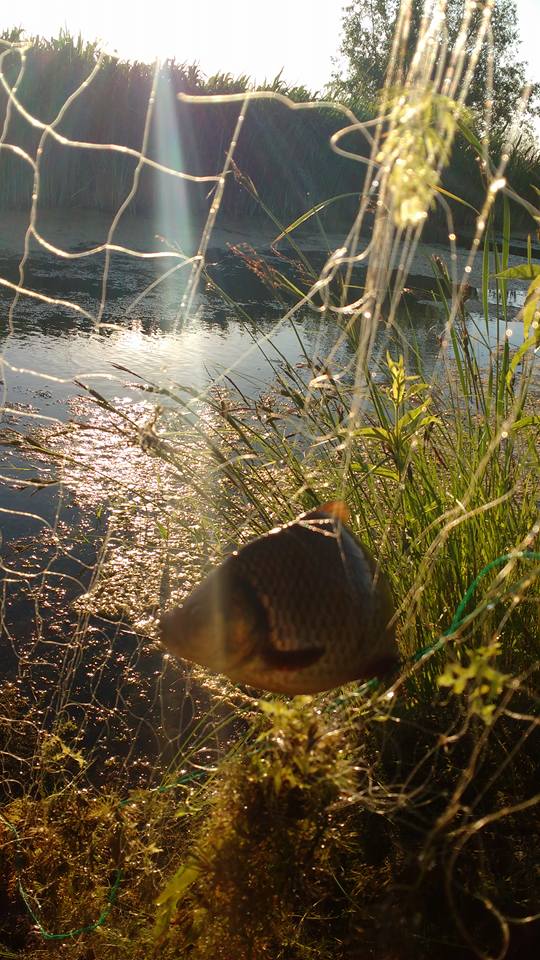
<point x="254" y="884"/>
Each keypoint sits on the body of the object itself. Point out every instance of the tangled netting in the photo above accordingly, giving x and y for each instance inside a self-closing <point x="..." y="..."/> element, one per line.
<point x="176" y="380"/>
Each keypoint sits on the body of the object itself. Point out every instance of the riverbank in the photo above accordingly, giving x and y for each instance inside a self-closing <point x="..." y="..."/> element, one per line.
<point x="73" y="232"/>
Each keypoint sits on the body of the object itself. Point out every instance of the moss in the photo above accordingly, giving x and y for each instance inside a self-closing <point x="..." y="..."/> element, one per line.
<point x="380" y="831"/>
<point x="266" y="855"/>
<point x="359" y="837"/>
<point x="64" y="854"/>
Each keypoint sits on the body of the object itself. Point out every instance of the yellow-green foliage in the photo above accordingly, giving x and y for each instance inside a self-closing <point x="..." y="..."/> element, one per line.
<point x="479" y="678"/>
<point x="334" y="835"/>
<point x="62" y="855"/>
<point x="416" y="148"/>
<point x="258" y="875"/>
<point x="328" y="834"/>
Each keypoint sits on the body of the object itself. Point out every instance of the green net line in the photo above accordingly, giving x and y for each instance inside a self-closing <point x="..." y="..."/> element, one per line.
<point x="421" y="654"/>
<point x="89" y="928"/>
<point x="425" y="652"/>
<point x="111" y="897"/>
<point x="459" y="615"/>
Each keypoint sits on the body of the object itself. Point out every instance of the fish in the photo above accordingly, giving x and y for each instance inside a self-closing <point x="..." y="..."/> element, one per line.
<point x="302" y="609"/>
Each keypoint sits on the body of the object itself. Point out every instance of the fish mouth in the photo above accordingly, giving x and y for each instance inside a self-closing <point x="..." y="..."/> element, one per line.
<point x="169" y="628"/>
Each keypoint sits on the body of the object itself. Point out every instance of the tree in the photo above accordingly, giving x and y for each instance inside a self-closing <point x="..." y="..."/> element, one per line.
<point x="368" y="28"/>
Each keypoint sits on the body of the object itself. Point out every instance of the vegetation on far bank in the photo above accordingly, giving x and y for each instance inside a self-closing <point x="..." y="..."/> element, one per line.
<point x="285" y="154"/>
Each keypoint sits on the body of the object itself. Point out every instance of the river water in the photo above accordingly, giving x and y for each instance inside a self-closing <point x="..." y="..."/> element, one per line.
<point x="46" y="348"/>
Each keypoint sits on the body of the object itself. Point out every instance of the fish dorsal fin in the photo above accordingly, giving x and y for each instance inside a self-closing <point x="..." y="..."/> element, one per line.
<point x="337" y="509"/>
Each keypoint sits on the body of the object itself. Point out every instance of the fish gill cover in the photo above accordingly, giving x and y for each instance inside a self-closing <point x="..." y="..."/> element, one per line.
<point x="176" y="382"/>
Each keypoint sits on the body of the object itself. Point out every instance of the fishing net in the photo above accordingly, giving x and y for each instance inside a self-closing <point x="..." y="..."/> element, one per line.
<point x="175" y="382"/>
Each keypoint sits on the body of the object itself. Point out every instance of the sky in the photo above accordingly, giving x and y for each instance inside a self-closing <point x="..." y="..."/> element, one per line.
<point x="255" y="37"/>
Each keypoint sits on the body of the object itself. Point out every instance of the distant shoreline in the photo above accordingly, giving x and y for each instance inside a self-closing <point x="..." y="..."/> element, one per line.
<point x="76" y="230"/>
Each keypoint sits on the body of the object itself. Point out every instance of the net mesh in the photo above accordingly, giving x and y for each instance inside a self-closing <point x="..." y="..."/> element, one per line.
<point x="152" y="419"/>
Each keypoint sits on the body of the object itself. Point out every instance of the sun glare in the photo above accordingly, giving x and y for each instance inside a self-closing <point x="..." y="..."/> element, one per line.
<point x="239" y="37"/>
<point x="173" y="206"/>
<point x="242" y="36"/>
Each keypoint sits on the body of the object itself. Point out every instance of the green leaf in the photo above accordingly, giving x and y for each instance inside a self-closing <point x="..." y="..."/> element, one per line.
<point x="518" y="356"/>
<point x="452" y="196"/>
<point x="532" y="307"/>
<point x="417" y="388"/>
<point x="289" y="285"/>
<point x="57" y="750"/>
<point x="379" y="470"/>
<point x="466" y="130"/>
<point x="374" y="433"/>
<point x="531" y="421"/>
<point x="446" y="679"/>
<point x="178" y="884"/>
<point x="171" y="894"/>
<point x="311" y="213"/>
<point x="523" y="271"/>
<point x="411" y="415"/>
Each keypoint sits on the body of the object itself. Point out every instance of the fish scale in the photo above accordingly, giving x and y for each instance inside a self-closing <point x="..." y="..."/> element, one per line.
<point x="300" y="609"/>
<point x="286" y="575"/>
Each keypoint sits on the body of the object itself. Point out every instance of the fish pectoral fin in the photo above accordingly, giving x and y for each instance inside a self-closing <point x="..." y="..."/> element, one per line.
<point x="291" y="659"/>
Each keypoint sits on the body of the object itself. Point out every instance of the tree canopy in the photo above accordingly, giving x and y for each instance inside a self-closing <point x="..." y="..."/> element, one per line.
<point x="368" y="28"/>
